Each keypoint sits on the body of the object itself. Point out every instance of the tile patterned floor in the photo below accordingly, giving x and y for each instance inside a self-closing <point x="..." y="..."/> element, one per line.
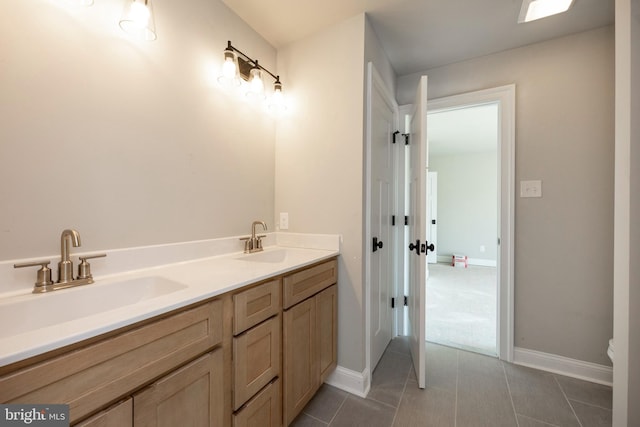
<point x="463" y="390"/>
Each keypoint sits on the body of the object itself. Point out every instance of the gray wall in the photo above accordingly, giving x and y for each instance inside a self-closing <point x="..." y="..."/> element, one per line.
<point x="132" y="143"/>
<point x="320" y="156"/>
<point x="467" y="204"/>
<point x="319" y="166"/>
<point x="565" y="137"/>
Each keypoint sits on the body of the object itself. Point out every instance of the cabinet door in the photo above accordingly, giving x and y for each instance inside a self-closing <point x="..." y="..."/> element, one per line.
<point x="327" y="328"/>
<point x="119" y="415"/>
<point x="300" y="377"/>
<point x="256" y="355"/>
<point x="263" y="410"/>
<point x="190" y="396"/>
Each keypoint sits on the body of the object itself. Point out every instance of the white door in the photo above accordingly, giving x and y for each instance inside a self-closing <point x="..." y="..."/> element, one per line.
<point x="432" y="218"/>
<point x="381" y="244"/>
<point x="418" y="150"/>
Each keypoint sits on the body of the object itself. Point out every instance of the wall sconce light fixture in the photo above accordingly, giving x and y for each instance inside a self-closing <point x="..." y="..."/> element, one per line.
<point x="137" y="19"/>
<point x="239" y="66"/>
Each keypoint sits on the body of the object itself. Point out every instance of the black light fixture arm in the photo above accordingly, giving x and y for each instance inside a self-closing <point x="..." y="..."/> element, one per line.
<point x="253" y="61"/>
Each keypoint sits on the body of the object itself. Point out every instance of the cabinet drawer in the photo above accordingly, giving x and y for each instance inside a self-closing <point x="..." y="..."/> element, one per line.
<point x="102" y="372"/>
<point x="264" y="410"/>
<point x="255" y="305"/>
<point x="303" y="284"/>
<point x="256" y="355"/>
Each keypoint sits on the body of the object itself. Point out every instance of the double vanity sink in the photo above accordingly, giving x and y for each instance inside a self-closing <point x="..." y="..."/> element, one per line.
<point x="34" y="324"/>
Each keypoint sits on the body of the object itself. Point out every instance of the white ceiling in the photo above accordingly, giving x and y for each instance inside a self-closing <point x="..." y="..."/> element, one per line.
<point x="418" y="35"/>
<point x="463" y="130"/>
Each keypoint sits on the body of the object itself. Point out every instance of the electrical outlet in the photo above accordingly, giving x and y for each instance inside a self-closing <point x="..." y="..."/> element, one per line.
<point x="531" y="188"/>
<point x="284" y="220"/>
<point x="483" y="248"/>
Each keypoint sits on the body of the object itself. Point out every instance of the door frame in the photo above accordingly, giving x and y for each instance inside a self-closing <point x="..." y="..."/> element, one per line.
<point x="374" y="79"/>
<point x="505" y="96"/>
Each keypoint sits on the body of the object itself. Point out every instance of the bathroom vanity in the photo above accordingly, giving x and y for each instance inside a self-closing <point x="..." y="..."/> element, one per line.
<point x="245" y="354"/>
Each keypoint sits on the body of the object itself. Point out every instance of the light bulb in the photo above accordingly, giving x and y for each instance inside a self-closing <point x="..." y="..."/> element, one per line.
<point x="229" y="68"/>
<point x="139" y="15"/>
<point x="137" y="19"/>
<point x="277" y="99"/>
<point x="256" y="85"/>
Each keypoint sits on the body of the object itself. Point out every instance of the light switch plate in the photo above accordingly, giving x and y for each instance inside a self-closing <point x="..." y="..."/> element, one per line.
<point x="531" y="188"/>
<point x="284" y="220"/>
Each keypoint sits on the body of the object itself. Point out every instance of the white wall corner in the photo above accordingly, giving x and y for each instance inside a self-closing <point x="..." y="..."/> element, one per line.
<point x="353" y="382"/>
<point x="587" y="371"/>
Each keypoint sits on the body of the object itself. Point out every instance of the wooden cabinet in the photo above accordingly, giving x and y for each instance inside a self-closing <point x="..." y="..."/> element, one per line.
<point x="237" y="359"/>
<point x="190" y="396"/>
<point x="263" y="410"/>
<point x="327" y="329"/>
<point x="309" y="335"/>
<point x="119" y="415"/>
<point x="257" y="362"/>
<point x="107" y="370"/>
<point x="301" y="379"/>
<point x="256" y="359"/>
<point x="256" y="304"/>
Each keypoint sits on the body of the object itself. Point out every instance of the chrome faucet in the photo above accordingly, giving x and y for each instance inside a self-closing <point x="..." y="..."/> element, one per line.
<point x="65" y="267"/>
<point x="254" y="243"/>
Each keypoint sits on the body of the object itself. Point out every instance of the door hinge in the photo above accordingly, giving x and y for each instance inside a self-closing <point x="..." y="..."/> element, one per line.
<point x="406" y="220"/>
<point x="393" y="136"/>
<point x="393" y="220"/>
<point x="406" y="301"/>
<point x="406" y="138"/>
<point x="393" y="303"/>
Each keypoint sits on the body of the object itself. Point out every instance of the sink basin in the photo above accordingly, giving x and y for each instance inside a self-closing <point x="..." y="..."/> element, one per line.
<point x="270" y="256"/>
<point x="30" y="312"/>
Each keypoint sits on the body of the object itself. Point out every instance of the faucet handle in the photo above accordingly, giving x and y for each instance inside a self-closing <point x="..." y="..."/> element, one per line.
<point x="259" y="241"/>
<point x="44" y="273"/>
<point x="248" y="244"/>
<point x="84" y="268"/>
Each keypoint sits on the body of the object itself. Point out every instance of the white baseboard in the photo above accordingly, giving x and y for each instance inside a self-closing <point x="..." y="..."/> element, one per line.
<point x="353" y="382"/>
<point x="471" y="261"/>
<point x="563" y="365"/>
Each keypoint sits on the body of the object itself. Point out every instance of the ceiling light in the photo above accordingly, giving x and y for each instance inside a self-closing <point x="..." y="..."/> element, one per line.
<point x="536" y="9"/>
<point x="137" y="19"/>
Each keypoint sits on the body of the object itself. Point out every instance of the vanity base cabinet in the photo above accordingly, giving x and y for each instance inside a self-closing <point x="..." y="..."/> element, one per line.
<point x="190" y="396"/>
<point x="309" y="335"/>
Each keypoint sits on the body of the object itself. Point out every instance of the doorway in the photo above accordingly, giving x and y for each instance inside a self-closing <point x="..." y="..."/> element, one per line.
<point x="504" y="96"/>
<point x="462" y="295"/>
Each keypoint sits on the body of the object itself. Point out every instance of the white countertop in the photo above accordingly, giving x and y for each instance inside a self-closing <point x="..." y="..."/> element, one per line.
<point x="203" y="278"/>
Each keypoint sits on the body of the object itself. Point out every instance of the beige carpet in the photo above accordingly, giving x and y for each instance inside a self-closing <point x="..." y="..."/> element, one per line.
<point x="461" y="307"/>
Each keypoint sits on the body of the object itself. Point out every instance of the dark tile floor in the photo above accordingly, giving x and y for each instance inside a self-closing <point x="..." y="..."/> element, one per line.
<point x="463" y="390"/>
